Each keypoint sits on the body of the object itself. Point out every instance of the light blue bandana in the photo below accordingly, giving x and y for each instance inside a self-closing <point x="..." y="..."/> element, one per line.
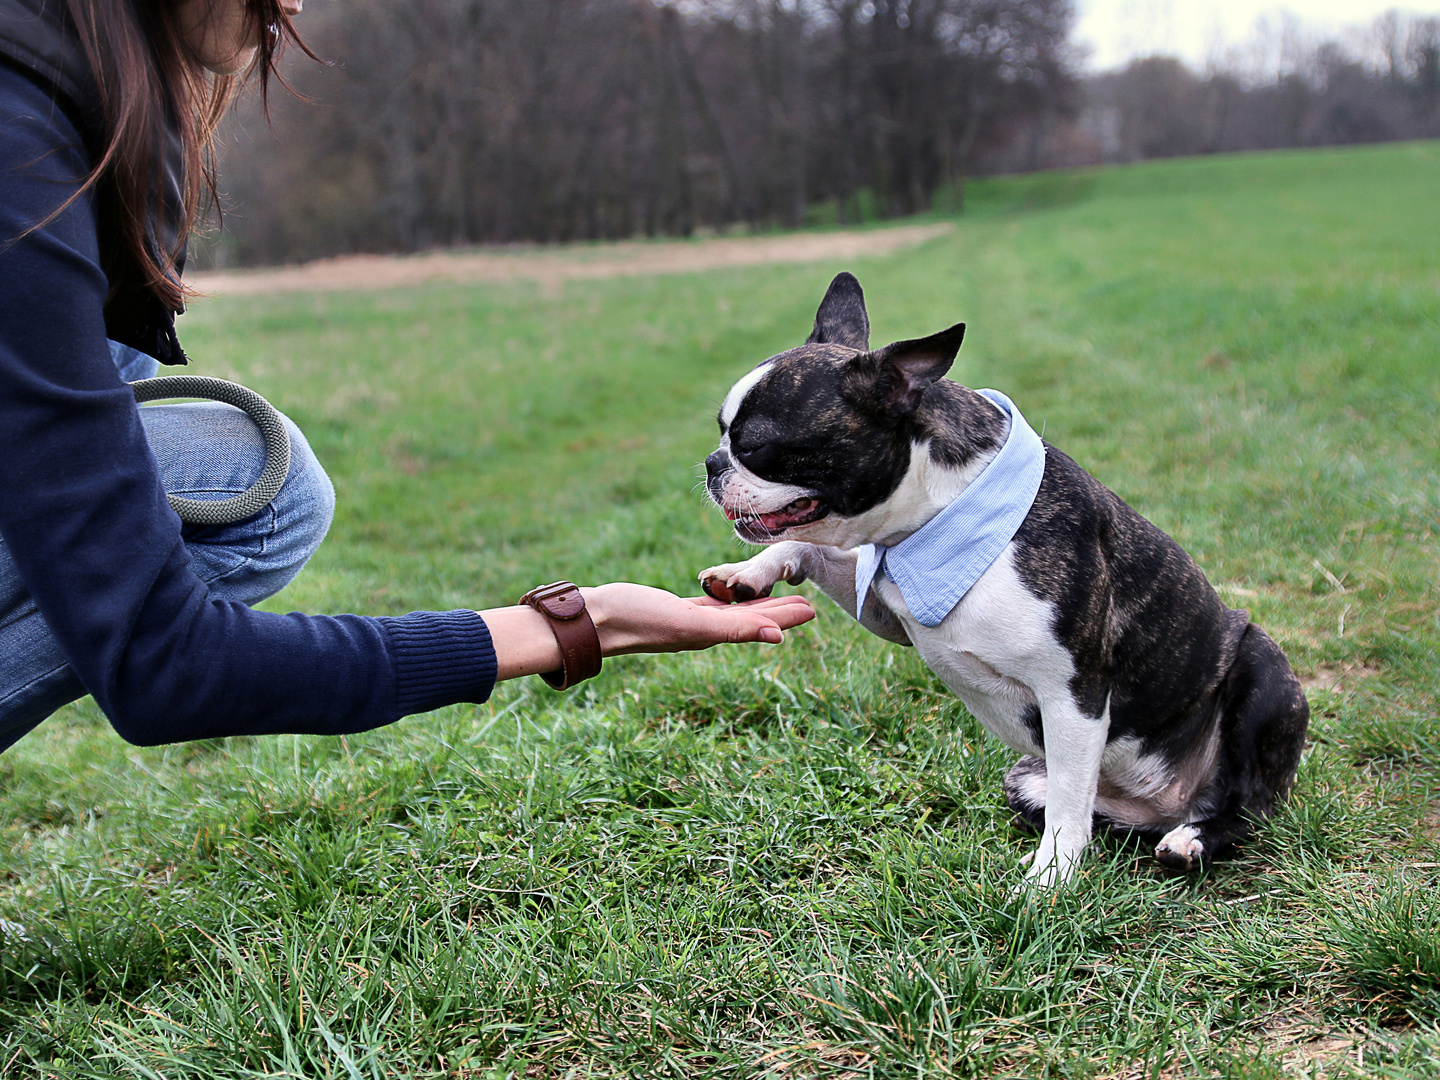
<point x="936" y="565"/>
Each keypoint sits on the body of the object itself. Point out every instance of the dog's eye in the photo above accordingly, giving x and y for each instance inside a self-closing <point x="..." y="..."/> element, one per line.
<point x="756" y="458"/>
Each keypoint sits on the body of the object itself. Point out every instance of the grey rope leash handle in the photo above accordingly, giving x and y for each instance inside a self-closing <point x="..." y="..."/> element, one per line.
<point x="272" y="428"/>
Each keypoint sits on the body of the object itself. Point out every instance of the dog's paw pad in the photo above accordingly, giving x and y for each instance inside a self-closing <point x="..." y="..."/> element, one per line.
<point x="1181" y="848"/>
<point x="736" y="582"/>
<point x="715" y="582"/>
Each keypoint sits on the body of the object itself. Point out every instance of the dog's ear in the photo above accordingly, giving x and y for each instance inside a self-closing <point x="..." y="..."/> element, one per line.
<point x="841" y="319"/>
<point x="892" y="380"/>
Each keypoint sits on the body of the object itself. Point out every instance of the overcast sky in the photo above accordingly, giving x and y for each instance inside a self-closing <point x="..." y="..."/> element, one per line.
<point x="1196" y="30"/>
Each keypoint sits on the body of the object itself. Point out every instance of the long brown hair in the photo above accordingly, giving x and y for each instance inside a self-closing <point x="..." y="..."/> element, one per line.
<point x="150" y="86"/>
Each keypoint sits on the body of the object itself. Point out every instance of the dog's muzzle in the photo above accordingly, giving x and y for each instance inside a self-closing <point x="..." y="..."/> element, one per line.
<point x="757" y="528"/>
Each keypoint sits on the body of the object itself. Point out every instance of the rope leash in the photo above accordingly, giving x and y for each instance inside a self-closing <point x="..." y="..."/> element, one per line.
<point x="272" y="429"/>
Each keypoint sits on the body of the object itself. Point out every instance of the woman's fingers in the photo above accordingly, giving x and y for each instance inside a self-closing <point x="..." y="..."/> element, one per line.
<point x="759" y="620"/>
<point x="784" y="611"/>
<point x="637" y="618"/>
<point x="762" y="604"/>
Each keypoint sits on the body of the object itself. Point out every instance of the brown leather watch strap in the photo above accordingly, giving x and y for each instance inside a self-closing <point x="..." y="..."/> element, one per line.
<point x="562" y="603"/>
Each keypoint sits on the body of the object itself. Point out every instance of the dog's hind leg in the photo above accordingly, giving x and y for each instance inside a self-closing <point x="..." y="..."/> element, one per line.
<point x="1263" y="717"/>
<point x="1025" y="787"/>
<point x="1025" y="790"/>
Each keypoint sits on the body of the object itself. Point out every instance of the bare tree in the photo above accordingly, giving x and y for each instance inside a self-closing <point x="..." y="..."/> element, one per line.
<point x="456" y="121"/>
<point x="1295" y="90"/>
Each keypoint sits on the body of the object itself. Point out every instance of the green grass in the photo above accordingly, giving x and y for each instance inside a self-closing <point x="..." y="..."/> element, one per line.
<point x="794" y="860"/>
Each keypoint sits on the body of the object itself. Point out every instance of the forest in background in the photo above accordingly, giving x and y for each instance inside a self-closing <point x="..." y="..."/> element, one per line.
<point x="439" y="123"/>
<point x="1285" y="87"/>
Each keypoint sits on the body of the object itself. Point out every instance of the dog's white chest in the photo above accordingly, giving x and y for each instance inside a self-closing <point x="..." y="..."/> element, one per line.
<point x="995" y="650"/>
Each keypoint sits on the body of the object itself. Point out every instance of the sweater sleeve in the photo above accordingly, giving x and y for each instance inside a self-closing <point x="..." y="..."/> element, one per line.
<point x="85" y="519"/>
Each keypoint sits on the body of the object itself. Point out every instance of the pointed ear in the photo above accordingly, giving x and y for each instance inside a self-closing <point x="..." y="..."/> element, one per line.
<point x="841" y="319"/>
<point x="893" y="379"/>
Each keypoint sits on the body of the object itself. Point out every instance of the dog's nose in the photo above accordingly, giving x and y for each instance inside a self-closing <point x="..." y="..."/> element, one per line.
<point x="716" y="464"/>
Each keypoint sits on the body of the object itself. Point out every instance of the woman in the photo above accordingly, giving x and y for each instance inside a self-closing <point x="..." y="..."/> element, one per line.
<point x="106" y="110"/>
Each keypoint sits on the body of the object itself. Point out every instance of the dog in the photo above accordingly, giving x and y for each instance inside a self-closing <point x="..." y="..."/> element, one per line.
<point x="1090" y="642"/>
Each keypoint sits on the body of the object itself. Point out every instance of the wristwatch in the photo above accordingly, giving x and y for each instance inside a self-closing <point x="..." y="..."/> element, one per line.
<point x="564" y="607"/>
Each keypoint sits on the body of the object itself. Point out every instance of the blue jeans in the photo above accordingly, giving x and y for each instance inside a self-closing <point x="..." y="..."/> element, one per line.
<point x="205" y="450"/>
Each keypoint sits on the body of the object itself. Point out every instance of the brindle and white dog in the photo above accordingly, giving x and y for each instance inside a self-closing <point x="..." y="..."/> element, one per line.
<point x="1093" y="644"/>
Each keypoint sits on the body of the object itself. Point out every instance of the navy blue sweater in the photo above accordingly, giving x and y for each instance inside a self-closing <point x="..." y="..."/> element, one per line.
<point x="85" y="519"/>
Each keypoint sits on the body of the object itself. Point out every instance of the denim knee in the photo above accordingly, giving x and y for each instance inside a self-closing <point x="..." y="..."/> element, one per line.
<point x="208" y="450"/>
<point x="204" y="450"/>
<point x="303" y="510"/>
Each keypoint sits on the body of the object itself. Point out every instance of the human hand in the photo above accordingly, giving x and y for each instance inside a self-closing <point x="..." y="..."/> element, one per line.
<point x="636" y="619"/>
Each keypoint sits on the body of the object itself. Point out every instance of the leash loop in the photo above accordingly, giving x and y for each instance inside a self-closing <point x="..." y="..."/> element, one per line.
<point x="272" y="429"/>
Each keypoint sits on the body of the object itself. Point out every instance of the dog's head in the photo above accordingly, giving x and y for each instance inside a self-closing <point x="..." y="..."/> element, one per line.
<point x="833" y="443"/>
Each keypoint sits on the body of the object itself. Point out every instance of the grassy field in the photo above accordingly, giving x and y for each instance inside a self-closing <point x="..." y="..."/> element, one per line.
<point x="791" y="860"/>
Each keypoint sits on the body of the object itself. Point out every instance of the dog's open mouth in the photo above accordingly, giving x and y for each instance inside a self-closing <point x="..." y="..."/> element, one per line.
<point x="758" y="528"/>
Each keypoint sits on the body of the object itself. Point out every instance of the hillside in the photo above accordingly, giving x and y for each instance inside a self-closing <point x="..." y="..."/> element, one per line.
<point x="794" y="859"/>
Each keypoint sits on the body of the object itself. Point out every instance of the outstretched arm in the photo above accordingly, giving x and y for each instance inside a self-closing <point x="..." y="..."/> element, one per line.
<point x="638" y="619"/>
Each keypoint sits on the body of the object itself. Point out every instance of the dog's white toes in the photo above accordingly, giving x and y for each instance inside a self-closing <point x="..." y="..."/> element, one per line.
<point x="1181" y="848"/>
<point x="1041" y="880"/>
<point x="1051" y="864"/>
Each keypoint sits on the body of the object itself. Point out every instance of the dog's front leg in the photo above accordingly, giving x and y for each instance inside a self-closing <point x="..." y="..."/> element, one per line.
<point x="785" y="561"/>
<point x="832" y="569"/>
<point x="1074" y="745"/>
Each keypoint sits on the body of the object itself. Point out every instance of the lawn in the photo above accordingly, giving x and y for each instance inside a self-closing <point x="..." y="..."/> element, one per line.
<point x="793" y="860"/>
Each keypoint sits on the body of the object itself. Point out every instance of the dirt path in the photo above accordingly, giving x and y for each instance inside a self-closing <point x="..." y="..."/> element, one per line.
<point x="550" y="267"/>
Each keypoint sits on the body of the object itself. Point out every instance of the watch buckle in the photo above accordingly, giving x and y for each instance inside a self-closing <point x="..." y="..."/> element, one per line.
<point x="560" y="599"/>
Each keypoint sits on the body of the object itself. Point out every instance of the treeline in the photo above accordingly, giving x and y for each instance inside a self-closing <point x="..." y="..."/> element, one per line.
<point x="452" y="122"/>
<point x="446" y="122"/>
<point x="1281" y="90"/>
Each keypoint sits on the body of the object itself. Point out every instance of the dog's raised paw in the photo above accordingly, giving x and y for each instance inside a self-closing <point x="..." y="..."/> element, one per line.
<point x="716" y="583"/>
<point x="1181" y="848"/>
<point x="727" y="583"/>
